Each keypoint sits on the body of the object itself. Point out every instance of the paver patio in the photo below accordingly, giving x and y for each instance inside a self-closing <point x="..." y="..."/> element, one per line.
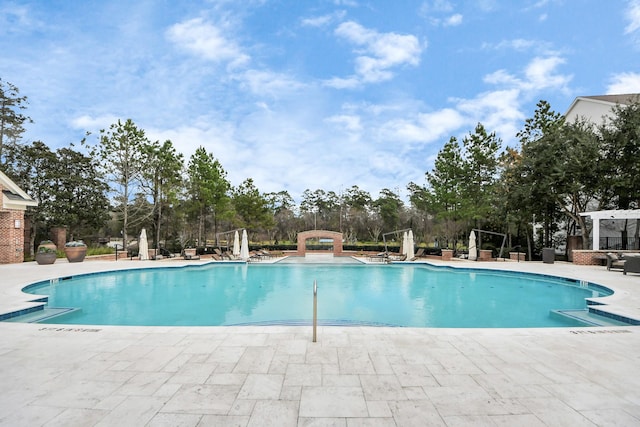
<point x="67" y="375"/>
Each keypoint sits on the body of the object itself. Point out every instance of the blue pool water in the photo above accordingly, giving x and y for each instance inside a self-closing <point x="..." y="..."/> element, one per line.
<point x="398" y="295"/>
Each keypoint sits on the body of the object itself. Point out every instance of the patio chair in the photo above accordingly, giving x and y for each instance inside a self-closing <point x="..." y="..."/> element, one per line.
<point x="631" y="264"/>
<point x="614" y="262"/>
<point x="380" y="257"/>
<point x="418" y="254"/>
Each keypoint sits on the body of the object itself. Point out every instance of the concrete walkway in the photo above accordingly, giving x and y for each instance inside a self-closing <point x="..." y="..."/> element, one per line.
<point x="63" y="375"/>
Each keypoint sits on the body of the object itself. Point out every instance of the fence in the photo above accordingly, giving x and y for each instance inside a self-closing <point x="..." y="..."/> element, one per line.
<point x="618" y="243"/>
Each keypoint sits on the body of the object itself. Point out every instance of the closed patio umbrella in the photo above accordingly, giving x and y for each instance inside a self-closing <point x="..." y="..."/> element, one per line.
<point x="473" y="250"/>
<point x="409" y="250"/>
<point x="143" y="246"/>
<point x="236" y="244"/>
<point x="403" y="246"/>
<point x="244" y="246"/>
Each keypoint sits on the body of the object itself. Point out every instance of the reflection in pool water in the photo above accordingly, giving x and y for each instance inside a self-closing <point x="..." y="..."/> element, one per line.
<point x="398" y="295"/>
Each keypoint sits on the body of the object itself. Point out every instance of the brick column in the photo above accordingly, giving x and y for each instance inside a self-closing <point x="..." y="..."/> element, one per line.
<point x="517" y="256"/>
<point x="447" y="254"/>
<point x="11" y="236"/>
<point x="485" y="254"/>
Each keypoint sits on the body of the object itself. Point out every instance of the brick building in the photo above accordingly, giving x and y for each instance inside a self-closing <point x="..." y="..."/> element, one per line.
<point x="14" y="203"/>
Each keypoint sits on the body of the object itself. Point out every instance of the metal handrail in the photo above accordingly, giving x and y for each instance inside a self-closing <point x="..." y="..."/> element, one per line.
<point x="315" y="309"/>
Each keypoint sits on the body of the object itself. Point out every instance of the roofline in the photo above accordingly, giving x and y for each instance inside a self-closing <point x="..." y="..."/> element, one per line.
<point x="597" y="100"/>
<point x="13" y="188"/>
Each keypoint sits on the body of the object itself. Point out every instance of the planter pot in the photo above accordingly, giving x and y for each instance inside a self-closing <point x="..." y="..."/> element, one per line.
<point x="43" y="258"/>
<point x="75" y="253"/>
<point x="48" y="245"/>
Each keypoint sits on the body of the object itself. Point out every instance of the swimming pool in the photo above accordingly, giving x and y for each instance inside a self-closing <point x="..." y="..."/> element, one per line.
<point x="240" y="294"/>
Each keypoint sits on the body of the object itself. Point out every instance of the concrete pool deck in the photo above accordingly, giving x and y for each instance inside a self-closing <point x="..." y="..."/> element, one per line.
<point x="66" y="375"/>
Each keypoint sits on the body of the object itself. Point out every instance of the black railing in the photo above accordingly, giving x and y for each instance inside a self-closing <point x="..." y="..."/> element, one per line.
<point x="618" y="243"/>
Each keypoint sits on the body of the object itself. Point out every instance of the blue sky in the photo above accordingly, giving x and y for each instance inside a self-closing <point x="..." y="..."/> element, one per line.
<point x="312" y="94"/>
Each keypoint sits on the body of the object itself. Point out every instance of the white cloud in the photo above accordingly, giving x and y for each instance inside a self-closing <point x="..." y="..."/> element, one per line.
<point x="378" y="53"/>
<point x="263" y="82"/>
<point x="350" y="3"/>
<point x="89" y="123"/>
<point x="624" y="83"/>
<point x="541" y="73"/>
<point x="453" y="20"/>
<point x="207" y="41"/>
<point x="633" y="16"/>
<point x="348" y="122"/>
<point x="424" y="127"/>
<point x="515" y="44"/>
<point x="324" y="20"/>
<point x="343" y="83"/>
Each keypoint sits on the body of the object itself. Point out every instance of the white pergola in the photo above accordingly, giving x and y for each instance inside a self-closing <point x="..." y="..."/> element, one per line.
<point x="596" y="216"/>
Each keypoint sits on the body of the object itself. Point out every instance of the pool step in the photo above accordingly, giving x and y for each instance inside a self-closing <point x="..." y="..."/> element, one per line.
<point x="41" y="315"/>
<point x="586" y="318"/>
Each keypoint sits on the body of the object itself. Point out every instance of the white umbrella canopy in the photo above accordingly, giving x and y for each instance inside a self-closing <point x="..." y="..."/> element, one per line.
<point x="143" y="246"/>
<point x="403" y="247"/>
<point x="244" y="246"/>
<point x="236" y="244"/>
<point x="473" y="250"/>
<point x="410" y="251"/>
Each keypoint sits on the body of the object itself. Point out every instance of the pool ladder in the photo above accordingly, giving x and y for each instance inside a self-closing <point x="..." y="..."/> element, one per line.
<point x="315" y="309"/>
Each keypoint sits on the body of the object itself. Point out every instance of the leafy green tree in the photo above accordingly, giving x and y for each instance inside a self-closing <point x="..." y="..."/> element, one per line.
<point x="282" y="206"/>
<point x="357" y="205"/>
<point x="540" y="157"/>
<point x="11" y="121"/>
<point x="80" y="200"/>
<point x="389" y="206"/>
<point x="162" y="179"/>
<point x="621" y="167"/>
<point x="68" y="187"/>
<point x="208" y="189"/>
<point x="480" y="174"/>
<point x="31" y="171"/>
<point x="517" y="215"/>
<point x="251" y="207"/>
<point x="319" y="208"/>
<point x="445" y="186"/>
<point x="445" y="181"/>
<point x="120" y="152"/>
<point x="421" y="211"/>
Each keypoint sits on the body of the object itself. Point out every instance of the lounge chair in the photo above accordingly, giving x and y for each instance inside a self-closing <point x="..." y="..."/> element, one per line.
<point x="380" y="257"/>
<point x="265" y="253"/>
<point x="255" y="257"/>
<point x="418" y="254"/>
<point x="229" y="256"/>
<point x="631" y="264"/>
<point x="614" y="262"/>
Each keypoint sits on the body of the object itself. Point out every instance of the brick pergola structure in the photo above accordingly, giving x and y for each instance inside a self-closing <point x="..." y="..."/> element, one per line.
<point x="12" y="206"/>
<point x="334" y="235"/>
